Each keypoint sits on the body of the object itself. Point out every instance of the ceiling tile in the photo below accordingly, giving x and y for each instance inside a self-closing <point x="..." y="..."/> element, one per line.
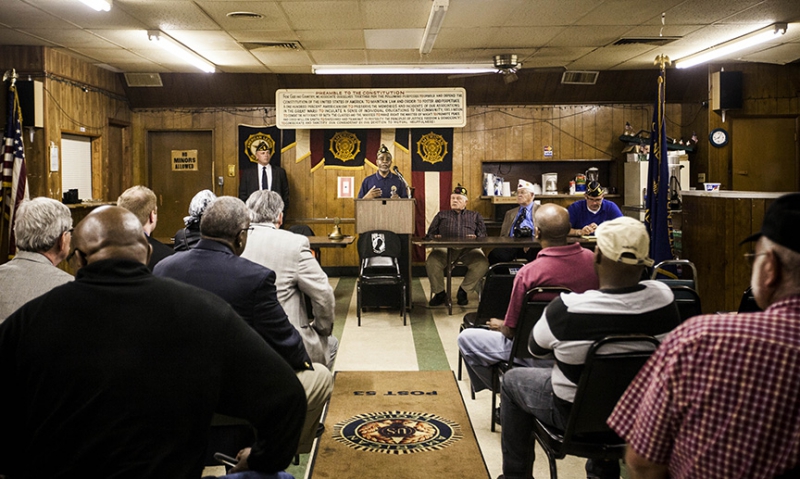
<point x="479" y="13"/>
<point x="331" y="39"/>
<point x="397" y="14"/>
<point x="551" y="13"/>
<point x="338" y="57"/>
<point x="200" y="40"/>
<point x="13" y="37"/>
<point x="72" y="38"/>
<point x="328" y="15"/>
<point x="395" y="39"/>
<point x="81" y="15"/>
<point x="273" y="16"/>
<point x="168" y="15"/>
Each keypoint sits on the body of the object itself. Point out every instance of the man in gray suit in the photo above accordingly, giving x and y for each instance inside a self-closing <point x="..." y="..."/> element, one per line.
<point x="43" y="230"/>
<point x="298" y="274"/>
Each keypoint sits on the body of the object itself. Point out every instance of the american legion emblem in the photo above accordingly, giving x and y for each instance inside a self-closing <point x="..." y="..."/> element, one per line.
<point x="345" y="146"/>
<point x="258" y="141"/>
<point x="397" y="432"/>
<point x="432" y="148"/>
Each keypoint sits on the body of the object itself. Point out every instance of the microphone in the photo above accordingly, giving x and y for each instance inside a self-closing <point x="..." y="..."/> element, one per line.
<point x="397" y="172"/>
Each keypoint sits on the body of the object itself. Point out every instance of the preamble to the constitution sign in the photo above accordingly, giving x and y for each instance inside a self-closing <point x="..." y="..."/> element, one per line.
<point x="371" y="108"/>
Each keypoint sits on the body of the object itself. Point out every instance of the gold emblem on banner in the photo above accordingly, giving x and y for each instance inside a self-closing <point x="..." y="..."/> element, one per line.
<point x="432" y="148"/>
<point x="254" y="141"/>
<point x="345" y="146"/>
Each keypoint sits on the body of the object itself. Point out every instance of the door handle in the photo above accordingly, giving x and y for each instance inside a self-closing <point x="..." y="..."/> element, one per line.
<point x="743" y="173"/>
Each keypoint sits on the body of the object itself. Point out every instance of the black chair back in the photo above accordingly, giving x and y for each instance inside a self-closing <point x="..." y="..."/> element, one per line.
<point x="378" y="243"/>
<point x="687" y="300"/>
<point x="537" y="300"/>
<point x="668" y="270"/>
<point x="495" y="295"/>
<point x="748" y="302"/>
<point x="611" y="364"/>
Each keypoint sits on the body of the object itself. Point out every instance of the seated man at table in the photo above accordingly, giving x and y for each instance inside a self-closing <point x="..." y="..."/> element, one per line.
<point x="517" y="223"/>
<point x="557" y="264"/>
<point x="457" y="222"/>
<point x="586" y="214"/>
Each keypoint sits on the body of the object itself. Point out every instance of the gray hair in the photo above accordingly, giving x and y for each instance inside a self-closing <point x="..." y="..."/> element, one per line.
<point x="224" y="218"/>
<point x="139" y="200"/>
<point x="39" y="224"/>
<point x="198" y="206"/>
<point x="265" y="206"/>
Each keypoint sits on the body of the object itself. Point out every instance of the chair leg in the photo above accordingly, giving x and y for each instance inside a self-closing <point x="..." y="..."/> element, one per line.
<point x="403" y="304"/>
<point x="553" y="468"/>
<point x="494" y="395"/>
<point x="459" y="365"/>
<point x="358" y="303"/>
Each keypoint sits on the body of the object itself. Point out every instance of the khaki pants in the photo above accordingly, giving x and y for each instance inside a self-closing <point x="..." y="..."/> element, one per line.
<point x="473" y="259"/>
<point x="318" y="384"/>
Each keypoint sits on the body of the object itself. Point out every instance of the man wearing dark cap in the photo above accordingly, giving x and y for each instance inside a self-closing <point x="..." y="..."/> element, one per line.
<point x="264" y="176"/>
<point x="384" y="183"/>
<point x="457" y="222"/>
<point x="118" y="373"/>
<point x="721" y="396"/>
<point x="586" y="214"/>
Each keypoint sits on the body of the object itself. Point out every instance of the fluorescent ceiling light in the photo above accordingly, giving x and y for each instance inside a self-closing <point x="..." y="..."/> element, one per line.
<point x="438" y="9"/>
<point x="723" y="49"/>
<point x="180" y="50"/>
<point x="99" y="5"/>
<point x="401" y="69"/>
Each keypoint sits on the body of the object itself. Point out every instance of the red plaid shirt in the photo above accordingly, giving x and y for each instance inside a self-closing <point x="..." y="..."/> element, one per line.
<point x="720" y="397"/>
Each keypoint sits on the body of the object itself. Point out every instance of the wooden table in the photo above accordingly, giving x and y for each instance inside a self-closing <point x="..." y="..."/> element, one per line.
<point x="325" y="242"/>
<point x="490" y="241"/>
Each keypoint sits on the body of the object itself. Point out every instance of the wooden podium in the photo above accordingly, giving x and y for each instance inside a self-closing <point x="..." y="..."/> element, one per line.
<point x="395" y="215"/>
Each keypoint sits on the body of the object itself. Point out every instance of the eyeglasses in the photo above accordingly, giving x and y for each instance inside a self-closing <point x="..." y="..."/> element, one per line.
<point x="751" y="257"/>
<point x="248" y="229"/>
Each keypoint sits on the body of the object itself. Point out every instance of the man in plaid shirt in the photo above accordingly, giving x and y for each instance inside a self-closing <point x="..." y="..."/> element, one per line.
<point x="721" y="396"/>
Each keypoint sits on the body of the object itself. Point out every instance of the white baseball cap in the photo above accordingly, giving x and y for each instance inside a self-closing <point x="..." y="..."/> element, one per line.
<point x="525" y="185"/>
<point x="624" y="240"/>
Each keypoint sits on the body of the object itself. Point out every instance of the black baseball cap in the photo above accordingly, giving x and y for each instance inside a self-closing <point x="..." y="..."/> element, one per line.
<point x="781" y="223"/>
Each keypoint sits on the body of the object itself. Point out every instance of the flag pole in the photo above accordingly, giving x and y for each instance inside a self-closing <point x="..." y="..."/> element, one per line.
<point x="7" y="75"/>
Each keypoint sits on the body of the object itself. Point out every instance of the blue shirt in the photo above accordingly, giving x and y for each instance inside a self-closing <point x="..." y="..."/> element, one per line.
<point x="385" y="184"/>
<point x="580" y="216"/>
<point x="528" y="221"/>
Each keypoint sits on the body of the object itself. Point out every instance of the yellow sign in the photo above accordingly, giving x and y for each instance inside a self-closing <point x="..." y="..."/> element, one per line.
<point x="184" y="160"/>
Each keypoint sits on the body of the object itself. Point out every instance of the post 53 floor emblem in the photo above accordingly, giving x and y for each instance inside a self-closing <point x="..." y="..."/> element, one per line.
<point x="397" y="432"/>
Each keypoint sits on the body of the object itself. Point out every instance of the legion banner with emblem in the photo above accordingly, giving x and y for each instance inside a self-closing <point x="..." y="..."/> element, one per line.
<point x="431" y="176"/>
<point x="344" y="149"/>
<point x="251" y="138"/>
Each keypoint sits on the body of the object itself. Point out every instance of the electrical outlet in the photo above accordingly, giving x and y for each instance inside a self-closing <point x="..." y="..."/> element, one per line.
<point x="701" y="177"/>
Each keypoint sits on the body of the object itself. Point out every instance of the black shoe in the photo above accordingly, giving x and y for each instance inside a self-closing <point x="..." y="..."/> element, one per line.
<point x="497" y="415"/>
<point x="461" y="297"/>
<point x="438" y="299"/>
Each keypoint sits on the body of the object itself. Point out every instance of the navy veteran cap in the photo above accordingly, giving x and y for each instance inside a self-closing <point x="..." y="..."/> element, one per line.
<point x="460" y="190"/>
<point x="781" y="223"/>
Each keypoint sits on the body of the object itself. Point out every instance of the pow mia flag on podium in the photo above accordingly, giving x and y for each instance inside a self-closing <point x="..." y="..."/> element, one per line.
<point x="431" y="176"/>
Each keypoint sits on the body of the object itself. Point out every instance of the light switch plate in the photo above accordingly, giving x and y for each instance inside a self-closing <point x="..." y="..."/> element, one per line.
<point x="701" y="177"/>
<point x="231" y="170"/>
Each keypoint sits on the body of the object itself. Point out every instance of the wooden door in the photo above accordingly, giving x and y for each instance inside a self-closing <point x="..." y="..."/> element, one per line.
<point x="765" y="154"/>
<point x="175" y="188"/>
<point x="117" y="170"/>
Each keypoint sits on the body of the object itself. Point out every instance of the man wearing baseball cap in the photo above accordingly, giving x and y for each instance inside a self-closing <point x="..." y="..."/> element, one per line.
<point x="568" y="327"/>
<point x="457" y="222"/>
<point x="518" y="223"/>
<point x="721" y="396"/>
<point x="586" y="214"/>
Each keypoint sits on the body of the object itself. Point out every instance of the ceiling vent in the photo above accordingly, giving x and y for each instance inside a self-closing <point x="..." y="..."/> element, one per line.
<point x="272" y="45"/>
<point x="654" y="41"/>
<point x="246" y="15"/>
<point x="143" y="79"/>
<point x="579" y="78"/>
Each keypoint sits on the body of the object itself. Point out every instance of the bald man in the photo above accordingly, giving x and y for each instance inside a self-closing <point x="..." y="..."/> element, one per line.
<point x="557" y="264"/>
<point x="120" y="372"/>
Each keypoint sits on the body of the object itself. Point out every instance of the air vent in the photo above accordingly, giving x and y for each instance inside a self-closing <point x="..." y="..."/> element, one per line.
<point x="272" y="45"/>
<point x="143" y="79"/>
<point x="245" y="15"/>
<point x="654" y="41"/>
<point x="579" y="78"/>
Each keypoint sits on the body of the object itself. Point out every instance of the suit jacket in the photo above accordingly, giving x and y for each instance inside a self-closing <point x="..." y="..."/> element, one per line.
<point x="249" y="183"/>
<point x="298" y="274"/>
<point x="25" y="277"/>
<point x="160" y="251"/>
<point x="248" y="287"/>
<point x="508" y="220"/>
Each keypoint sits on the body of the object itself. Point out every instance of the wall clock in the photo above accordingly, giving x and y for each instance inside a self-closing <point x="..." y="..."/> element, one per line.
<point x="718" y="137"/>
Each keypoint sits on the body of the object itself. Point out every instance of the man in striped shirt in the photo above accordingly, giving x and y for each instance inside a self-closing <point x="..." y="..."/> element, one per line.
<point x="568" y="327"/>
<point x="721" y="396"/>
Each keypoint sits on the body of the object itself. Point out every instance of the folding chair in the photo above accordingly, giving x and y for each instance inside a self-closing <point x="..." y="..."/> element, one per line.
<point x="687" y="300"/>
<point x="379" y="275"/>
<point x="669" y="278"/>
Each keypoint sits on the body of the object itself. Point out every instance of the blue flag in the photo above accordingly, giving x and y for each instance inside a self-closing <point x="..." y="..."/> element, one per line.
<point x="657" y="217"/>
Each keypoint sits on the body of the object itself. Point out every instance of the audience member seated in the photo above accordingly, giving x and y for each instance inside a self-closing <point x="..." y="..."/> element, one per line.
<point x="215" y="265"/>
<point x="721" y="396"/>
<point x="298" y="274"/>
<point x="186" y="238"/>
<point x="457" y="222"/>
<point x="142" y="202"/>
<point x="557" y="264"/>
<point x="517" y="223"/>
<point x="586" y="214"/>
<point x="118" y="373"/>
<point x="566" y="330"/>
<point x="42" y="230"/>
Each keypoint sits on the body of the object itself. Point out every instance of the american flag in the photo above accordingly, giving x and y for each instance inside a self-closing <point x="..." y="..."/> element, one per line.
<point x="15" y="177"/>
